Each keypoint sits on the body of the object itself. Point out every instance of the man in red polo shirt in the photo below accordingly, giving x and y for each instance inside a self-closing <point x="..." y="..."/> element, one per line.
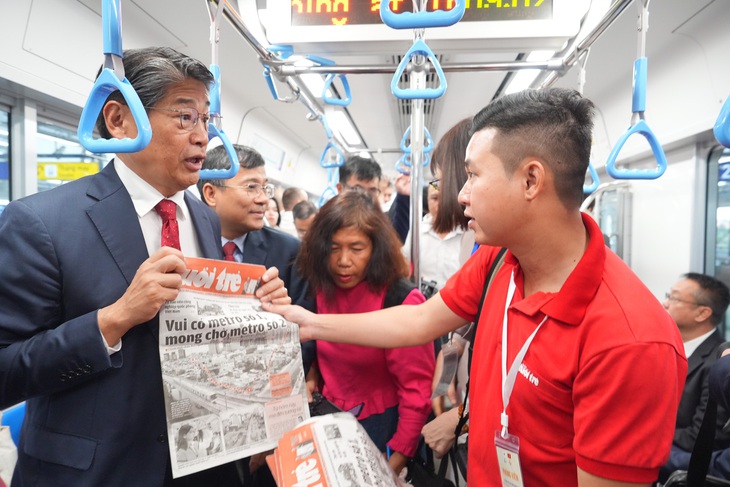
<point x="577" y="370"/>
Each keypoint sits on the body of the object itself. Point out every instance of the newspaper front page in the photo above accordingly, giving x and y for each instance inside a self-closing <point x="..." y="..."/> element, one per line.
<point x="232" y="373"/>
<point x="332" y="450"/>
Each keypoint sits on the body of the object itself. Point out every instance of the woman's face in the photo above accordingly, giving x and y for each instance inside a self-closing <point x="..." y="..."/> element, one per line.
<point x="433" y="201"/>
<point x="349" y="258"/>
<point x="272" y="213"/>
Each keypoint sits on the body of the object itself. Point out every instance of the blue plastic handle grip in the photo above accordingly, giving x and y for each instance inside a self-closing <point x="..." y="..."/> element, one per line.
<point x="111" y="18"/>
<point x="427" y="147"/>
<point x="215" y="89"/>
<point x="339" y="159"/>
<point x="343" y="102"/>
<point x="638" y="98"/>
<point x="214" y="132"/>
<point x="595" y="181"/>
<point x="418" y="48"/>
<point x="327" y="129"/>
<point x="105" y="84"/>
<point x="403" y="165"/>
<point x="421" y="20"/>
<point x="641" y="127"/>
<point x="722" y="125"/>
<point x="328" y="193"/>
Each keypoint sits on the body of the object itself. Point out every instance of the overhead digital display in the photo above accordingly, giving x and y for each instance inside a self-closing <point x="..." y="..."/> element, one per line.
<point x="363" y="12"/>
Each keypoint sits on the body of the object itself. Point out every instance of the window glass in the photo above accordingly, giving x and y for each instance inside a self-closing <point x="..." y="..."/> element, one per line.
<point x="61" y="158"/>
<point x="717" y="250"/>
<point x="4" y="159"/>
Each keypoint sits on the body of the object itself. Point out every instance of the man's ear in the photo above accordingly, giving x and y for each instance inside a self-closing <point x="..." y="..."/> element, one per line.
<point x="703" y="313"/>
<point x="534" y="175"/>
<point x="339" y="188"/>
<point x="119" y="120"/>
<point x="208" y="194"/>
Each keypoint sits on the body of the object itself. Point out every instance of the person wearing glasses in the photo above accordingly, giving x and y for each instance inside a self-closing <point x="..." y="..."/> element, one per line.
<point x="84" y="270"/>
<point x="697" y="304"/>
<point x="240" y="203"/>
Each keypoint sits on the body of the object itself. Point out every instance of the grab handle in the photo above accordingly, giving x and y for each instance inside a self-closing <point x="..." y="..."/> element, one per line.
<point x="722" y="126"/>
<point x="215" y="131"/>
<point x="331" y="100"/>
<point x="421" y="20"/>
<point x="589" y="188"/>
<point x="337" y="161"/>
<point x="427" y="147"/>
<point x="112" y="79"/>
<point x="418" y="48"/>
<point x="642" y="128"/>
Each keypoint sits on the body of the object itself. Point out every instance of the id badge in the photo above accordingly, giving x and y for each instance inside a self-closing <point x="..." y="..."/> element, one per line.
<point x="451" y="361"/>
<point x="508" y="457"/>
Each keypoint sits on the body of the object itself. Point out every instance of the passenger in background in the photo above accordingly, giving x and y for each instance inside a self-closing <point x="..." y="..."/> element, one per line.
<point x="594" y="367"/>
<point x="351" y="258"/>
<point x="289" y="199"/>
<point x="386" y="193"/>
<point x="697" y="303"/>
<point x="240" y="203"/>
<point x="84" y="272"/>
<point x="365" y="174"/>
<point x="304" y="213"/>
<point x="273" y="215"/>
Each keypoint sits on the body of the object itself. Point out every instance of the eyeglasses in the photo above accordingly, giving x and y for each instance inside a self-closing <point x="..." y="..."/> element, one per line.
<point x="189" y="117"/>
<point x="434" y="184"/>
<point x="669" y="297"/>
<point x="254" y="189"/>
<point x="373" y="191"/>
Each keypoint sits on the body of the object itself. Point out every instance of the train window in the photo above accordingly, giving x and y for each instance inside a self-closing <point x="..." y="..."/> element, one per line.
<point x="61" y="158"/>
<point x="610" y="206"/>
<point x="4" y="158"/>
<point x="717" y="251"/>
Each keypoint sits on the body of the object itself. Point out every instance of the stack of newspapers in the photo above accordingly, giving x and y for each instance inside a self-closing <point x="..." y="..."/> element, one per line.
<point x="331" y="450"/>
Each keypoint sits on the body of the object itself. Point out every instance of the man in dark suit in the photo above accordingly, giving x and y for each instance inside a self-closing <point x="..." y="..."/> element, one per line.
<point x="240" y="203"/>
<point x="697" y="303"/>
<point x="82" y="278"/>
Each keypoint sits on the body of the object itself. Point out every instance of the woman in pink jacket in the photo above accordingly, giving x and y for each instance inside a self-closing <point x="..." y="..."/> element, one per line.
<point x="351" y="258"/>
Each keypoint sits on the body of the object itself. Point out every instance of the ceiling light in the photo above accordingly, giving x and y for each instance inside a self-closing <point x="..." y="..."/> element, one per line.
<point x="523" y="78"/>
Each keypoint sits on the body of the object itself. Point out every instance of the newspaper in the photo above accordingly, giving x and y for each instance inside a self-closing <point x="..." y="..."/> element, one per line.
<point x="232" y="373"/>
<point x="332" y="450"/>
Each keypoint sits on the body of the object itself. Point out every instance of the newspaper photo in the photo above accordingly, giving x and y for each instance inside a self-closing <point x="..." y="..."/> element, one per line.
<point x="332" y="450"/>
<point x="232" y="373"/>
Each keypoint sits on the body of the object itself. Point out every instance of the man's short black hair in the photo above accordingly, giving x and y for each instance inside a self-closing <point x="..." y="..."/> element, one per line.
<point x="363" y="168"/>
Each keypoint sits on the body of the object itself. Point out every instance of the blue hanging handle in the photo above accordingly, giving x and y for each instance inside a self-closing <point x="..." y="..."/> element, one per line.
<point x="331" y="190"/>
<point x="421" y="20"/>
<point x="327" y="129"/>
<point x="215" y="131"/>
<point x="338" y="160"/>
<point x="418" y="48"/>
<point x="722" y="125"/>
<point x="403" y="165"/>
<point x="639" y="126"/>
<point x="110" y="80"/>
<point x="331" y="100"/>
<point x="427" y="147"/>
<point x="588" y="189"/>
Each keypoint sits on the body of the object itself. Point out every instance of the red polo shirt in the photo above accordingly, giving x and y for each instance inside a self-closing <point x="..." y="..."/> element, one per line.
<point x="601" y="381"/>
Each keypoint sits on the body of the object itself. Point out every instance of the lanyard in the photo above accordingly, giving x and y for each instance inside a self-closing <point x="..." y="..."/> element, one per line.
<point x="508" y="379"/>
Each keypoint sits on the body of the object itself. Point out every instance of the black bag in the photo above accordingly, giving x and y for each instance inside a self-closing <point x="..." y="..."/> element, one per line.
<point x="459" y="454"/>
<point x="321" y="405"/>
<point x="679" y="479"/>
<point x="422" y="475"/>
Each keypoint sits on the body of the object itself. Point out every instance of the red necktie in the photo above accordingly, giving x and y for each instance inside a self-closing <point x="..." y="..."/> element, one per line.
<point x="228" y="249"/>
<point x="170" y="231"/>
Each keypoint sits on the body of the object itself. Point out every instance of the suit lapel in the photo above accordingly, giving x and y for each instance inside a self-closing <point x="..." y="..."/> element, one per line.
<point x="254" y="249"/>
<point x="210" y="244"/>
<point x="116" y="221"/>
<point x="700" y="355"/>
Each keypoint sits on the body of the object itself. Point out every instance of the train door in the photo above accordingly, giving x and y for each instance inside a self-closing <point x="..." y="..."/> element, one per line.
<point x="610" y="206"/>
<point x="717" y="246"/>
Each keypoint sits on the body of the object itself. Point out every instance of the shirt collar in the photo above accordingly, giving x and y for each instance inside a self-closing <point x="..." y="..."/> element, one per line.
<point x="691" y="345"/>
<point x="144" y="196"/>
<point x="239" y="241"/>
<point x="570" y="303"/>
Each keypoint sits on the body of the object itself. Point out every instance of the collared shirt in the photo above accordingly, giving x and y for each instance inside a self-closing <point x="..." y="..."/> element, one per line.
<point x="601" y="380"/>
<point x="239" y="241"/>
<point x="691" y="345"/>
<point x="144" y="198"/>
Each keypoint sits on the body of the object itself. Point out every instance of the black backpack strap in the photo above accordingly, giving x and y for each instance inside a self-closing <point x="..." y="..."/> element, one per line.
<point x="397" y="292"/>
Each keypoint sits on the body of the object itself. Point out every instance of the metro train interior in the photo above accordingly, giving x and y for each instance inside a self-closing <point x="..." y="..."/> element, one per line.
<point x="309" y="82"/>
